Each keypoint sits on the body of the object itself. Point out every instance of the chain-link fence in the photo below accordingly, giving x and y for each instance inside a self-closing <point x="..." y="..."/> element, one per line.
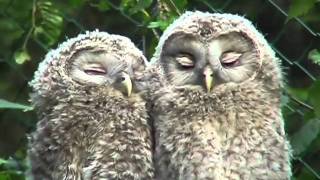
<point x="31" y="29"/>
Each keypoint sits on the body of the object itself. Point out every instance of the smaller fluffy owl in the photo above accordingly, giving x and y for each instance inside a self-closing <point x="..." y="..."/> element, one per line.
<point x="217" y="114"/>
<point x="93" y="123"/>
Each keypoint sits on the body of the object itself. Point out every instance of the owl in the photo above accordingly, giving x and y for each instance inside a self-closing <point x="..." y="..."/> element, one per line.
<point x="93" y="123"/>
<point x="217" y="114"/>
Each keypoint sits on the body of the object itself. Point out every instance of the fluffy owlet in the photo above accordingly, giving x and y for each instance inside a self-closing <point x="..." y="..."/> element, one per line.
<point x="93" y="121"/>
<point x="218" y="115"/>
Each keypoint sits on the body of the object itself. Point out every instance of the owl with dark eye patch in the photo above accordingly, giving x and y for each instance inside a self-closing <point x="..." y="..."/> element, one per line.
<point x="93" y="123"/>
<point x="217" y="114"/>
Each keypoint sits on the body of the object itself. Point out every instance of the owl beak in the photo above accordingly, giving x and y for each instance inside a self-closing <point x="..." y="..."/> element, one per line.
<point x="127" y="83"/>
<point x="209" y="81"/>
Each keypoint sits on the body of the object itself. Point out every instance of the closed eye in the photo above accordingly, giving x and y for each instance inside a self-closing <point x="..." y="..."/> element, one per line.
<point x="230" y="59"/>
<point x="185" y="61"/>
<point x="95" y="70"/>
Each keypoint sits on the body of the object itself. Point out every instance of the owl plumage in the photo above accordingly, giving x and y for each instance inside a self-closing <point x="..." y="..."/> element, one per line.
<point x="93" y="123"/>
<point x="217" y="114"/>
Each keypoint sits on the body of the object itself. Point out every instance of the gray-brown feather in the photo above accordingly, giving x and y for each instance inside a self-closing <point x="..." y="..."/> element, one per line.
<point x="90" y="130"/>
<point x="236" y="131"/>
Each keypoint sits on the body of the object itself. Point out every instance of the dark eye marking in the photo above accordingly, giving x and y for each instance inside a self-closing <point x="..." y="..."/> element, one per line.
<point x="185" y="60"/>
<point x="230" y="59"/>
<point x="95" y="70"/>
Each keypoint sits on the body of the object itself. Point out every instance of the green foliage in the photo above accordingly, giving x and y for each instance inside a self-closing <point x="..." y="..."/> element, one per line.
<point x="133" y="7"/>
<point x="300" y="7"/>
<point x="161" y="24"/>
<point x="314" y="97"/>
<point x="314" y="55"/>
<point x="21" y="56"/>
<point x="301" y="140"/>
<point x="4" y="104"/>
<point x="30" y="28"/>
<point x="48" y="22"/>
<point x="12" y="30"/>
<point x="101" y="6"/>
<point x="170" y="11"/>
<point x="13" y="168"/>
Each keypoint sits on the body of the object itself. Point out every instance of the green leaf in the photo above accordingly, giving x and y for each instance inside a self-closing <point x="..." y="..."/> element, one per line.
<point x="127" y="6"/>
<point x="49" y="23"/>
<point x="159" y="24"/>
<point x="5" y="176"/>
<point x="314" y="56"/>
<point x="180" y="4"/>
<point x="11" y="175"/>
<point x="303" y="138"/>
<point x="21" y="56"/>
<point x="3" y="161"/>
<point x="12" y="31"/>
<point x="305" y="174"/>
<point x="300" y="7"/>
<point x="133" y="7"/>
<point x="4" y="104"/>
<point x="299" y="93"/>
<point x="76" y="3"/>
<point x="143" y="4"/>
<point x="102" y="5"/>
<point x="314" y="97"/>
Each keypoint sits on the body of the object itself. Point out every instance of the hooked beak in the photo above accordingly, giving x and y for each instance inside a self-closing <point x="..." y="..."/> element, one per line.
<point x="208" y="78"/>
<point x="127" y="83"/>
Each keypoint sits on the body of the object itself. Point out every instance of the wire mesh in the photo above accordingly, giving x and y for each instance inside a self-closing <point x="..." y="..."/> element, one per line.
<point x="289" y="61"/>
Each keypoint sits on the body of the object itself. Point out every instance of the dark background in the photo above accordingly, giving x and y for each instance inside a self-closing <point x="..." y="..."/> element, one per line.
<point x="29" y="29"/>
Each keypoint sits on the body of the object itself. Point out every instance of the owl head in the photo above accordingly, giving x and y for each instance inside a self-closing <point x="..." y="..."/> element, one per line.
<point x="95" y="60"/>
<point x="207" y="50"/>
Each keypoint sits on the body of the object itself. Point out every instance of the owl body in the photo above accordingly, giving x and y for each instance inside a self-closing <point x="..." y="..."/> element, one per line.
<point x="199" y="139"/>
<point x="90" y="129"/>
<point x="218" y="116"/>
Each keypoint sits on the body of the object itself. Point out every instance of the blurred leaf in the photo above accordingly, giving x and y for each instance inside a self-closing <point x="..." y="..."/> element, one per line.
<point x="300" y="7"/>
<point x="160" y="24"/>
<point x="314" y="97"/>
<point x="76" y="3"/>
<point x="180" y="4"/>
<point x="12" y="32"/>
<point x="300" y="93"/>
<point x="4" y="104"/>
<point x="314" y="55"/>
<point x="303" y="138"/>
<point x="13" y="164"/>
<point x="132" y="7"/>
<point x="306" y="174"/>
<point x="144" y="3"/>
<point x="102" y="5"/>
<point x="11" y="175"/>
<point x="5" y="176"/>
<point x="11" y="169"/>
<point x="20" y="10"/>
<point x="20" y="154"/>
<point x="126" y="4"/>
<point x="3" y="161"/>
<point x="49" y="23"/>
<point x="21" y="56"/>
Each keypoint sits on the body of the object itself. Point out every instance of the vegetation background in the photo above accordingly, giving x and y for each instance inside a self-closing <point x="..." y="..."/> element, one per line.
<point x="30" y="28"/>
